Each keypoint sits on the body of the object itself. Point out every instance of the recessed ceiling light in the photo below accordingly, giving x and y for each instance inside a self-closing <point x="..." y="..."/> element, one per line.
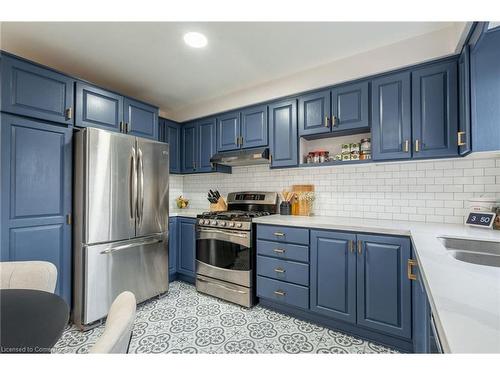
<point x="195" y="40"/>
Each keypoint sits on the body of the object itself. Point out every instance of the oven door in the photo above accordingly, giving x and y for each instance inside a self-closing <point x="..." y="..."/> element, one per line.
<point x="224" y="254"/>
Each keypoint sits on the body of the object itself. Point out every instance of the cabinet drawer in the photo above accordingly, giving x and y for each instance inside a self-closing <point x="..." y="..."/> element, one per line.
<point x="283" y="250"/>
<point x="283" y="270"/>
<point x="283" y="234"/>
<point x="282" y="292"/>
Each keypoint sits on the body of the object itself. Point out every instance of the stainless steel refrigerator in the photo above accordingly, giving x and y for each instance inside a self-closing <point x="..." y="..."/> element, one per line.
<point x="120" y="229"/>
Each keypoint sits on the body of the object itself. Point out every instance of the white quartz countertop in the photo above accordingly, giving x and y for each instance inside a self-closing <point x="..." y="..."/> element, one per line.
<point x="186" y="212"/>
<point x="464" y="297"/>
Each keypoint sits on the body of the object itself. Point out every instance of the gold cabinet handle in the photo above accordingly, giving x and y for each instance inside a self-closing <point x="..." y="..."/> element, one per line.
<point x="409" y="270"/>
<point x="360" y="246"/>
<point x="417" y="145"/>
<point x="459" y="138"/>
<point x="407" y="146"/>
<point x="241" y="141"/>
<point x="279" y="234"/>
<point x="69" y="219"/>
<point x="326" y="122"/>
<point x="351" y="246"/>
<point x="68" y="113"/>
<point x="279" y="251"/>
<point x="334" y="121"/>
<point x="279" y="270"/>
<point x="280" y="293"/>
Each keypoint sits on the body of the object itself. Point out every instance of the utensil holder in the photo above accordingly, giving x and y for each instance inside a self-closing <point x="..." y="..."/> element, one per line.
<point x="285" y="208"/>
<point x="221" y="205"/>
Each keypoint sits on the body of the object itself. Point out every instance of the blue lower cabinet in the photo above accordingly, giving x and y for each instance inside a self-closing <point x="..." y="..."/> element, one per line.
<point x="287" y="251"/>
<point x="173" y="244"/>
<point x="186" y="255"/>
<point x="283" y="137"/>
<point x="383" y="288"/>
<point x="36" y="160"/>
<point x="283" y="270"/>
<point x="421" y="316"/>
<point x="33" y="91"/>
<point x="283" y="234"/>
<point x="140" y="119"/>
<point x="333" y="274"/>
<point x="283" y="292"/>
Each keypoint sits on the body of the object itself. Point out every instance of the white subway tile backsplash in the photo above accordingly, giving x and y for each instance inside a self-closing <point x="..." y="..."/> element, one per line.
<point x="431" y="191"/>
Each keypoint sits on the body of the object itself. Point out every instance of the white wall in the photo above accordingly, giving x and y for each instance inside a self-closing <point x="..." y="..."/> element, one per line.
<point x="428" y="191"/>
<point x="410" y="51"/>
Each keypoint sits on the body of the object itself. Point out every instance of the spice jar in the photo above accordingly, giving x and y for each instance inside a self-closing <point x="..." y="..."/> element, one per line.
<point x="366" y="145"/>
<point x="355" y="147"/>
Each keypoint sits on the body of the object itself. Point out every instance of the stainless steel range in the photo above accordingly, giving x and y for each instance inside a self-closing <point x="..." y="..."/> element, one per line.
<point x="225" y="247"/>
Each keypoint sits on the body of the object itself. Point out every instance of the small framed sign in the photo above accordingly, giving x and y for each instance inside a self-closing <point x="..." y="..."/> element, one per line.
<point x="480" y="219"/>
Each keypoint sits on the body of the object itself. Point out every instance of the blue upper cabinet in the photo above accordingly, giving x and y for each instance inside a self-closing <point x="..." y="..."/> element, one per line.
<point x="434" y="110"/>
<point x="186" y="256"/>
<point x="314" y="113"/>
<point x="140" y="119"/>
<point x="170" y="132"/>
<point x="205" y="144"/>
<point x="333" y="274"/>
<point x="228" y="131"/>
<point x="36" y="161"/>
<point x="283" y="140"/>
<point x="254" y="127"/>
<point x="98" y="108"/>
<point x="391" y="117"/>
<point x="188" y="147"/>
<point x="33" y="91"/>
<point x="383" y="288"/>
<point x="485" y="91"/>
<point x="464" y="127"/>
<point x="350" y="109"/>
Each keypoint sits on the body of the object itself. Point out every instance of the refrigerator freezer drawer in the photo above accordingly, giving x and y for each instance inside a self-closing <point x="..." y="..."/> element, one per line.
<point x="139" y="265"/>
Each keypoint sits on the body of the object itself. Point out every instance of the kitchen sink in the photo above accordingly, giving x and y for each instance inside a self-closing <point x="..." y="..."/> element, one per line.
<point x="485" y="253"/>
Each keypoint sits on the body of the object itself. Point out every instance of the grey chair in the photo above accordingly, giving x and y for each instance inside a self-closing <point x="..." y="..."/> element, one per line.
<point x="118" y="331"/>
<point x="37" y="275"/>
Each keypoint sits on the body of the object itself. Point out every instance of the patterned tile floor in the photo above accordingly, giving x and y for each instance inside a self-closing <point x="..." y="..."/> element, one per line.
<point x="184" y="321"/>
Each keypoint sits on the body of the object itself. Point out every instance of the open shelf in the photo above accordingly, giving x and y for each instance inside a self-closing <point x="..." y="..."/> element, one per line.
<point x="335" y="162"/>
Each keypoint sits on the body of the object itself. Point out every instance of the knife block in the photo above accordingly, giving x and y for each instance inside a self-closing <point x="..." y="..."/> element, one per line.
<point x="221" y="205"/>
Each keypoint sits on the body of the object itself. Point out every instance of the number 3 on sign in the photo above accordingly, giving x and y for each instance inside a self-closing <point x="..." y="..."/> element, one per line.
<point x="481" y="219"/>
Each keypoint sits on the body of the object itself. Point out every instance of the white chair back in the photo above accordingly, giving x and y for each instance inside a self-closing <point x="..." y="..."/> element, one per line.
<point x="36" y="275"/>
<point x="119" y="324"/>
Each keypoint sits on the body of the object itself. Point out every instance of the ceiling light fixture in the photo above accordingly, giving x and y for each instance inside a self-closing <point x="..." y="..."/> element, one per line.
<point x="195" y="39"/>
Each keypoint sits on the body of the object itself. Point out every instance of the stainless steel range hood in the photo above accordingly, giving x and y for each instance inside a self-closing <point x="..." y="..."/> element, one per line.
<point x="242" y="157"/>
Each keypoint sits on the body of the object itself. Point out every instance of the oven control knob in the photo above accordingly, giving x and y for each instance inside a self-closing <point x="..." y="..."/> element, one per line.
<point x="206" y="221"/>
<point x="231" y="224"/>
<point x="238" y="225"/>
<point x="222" y="223"/>
<point x="201" y="221"/>
<point x="213" y="222"/>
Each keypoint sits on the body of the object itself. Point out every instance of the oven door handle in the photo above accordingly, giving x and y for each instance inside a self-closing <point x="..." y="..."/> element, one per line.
<point x="229" y="233"/>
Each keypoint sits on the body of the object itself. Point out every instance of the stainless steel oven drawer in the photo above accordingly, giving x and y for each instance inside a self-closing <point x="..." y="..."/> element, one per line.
<point x="226" y="291"/>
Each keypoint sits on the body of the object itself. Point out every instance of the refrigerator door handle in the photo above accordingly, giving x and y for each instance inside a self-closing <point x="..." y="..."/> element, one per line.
<point x="113" y="249"/>
<point x="133" y="184"/>
<point x="140" y="198"/>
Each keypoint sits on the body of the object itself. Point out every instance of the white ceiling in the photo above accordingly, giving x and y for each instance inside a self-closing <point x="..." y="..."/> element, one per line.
<point x="150" y="61"/>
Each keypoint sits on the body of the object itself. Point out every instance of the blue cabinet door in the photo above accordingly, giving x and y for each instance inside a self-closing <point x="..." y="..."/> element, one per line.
<point x="283" y="140"/>
<point x="333" y="274"/>
<point x="188" y="148"/>
<point x="350" y="107"/>
<point x="485" y="92"/>
<point x="383" y="288"/>
<point x="464" y="120"/>
<point x="206" y="144"/>
<point x="140" y="119"/>
<point x="314" y="113"/>
<point x="98" y="108"/>
<point x="228" y="131"/>
<point x="391" y="117"/>
<point x="187" y="246"/>
<point x="434" y="110"/>
<point x="173" y="244"/>
<point x="421" y="316"/>
<point x="254" y="127"/>
<point x="172" y="131"/>
<point x="30" y="90"/>
<point x="36" y="177"/>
